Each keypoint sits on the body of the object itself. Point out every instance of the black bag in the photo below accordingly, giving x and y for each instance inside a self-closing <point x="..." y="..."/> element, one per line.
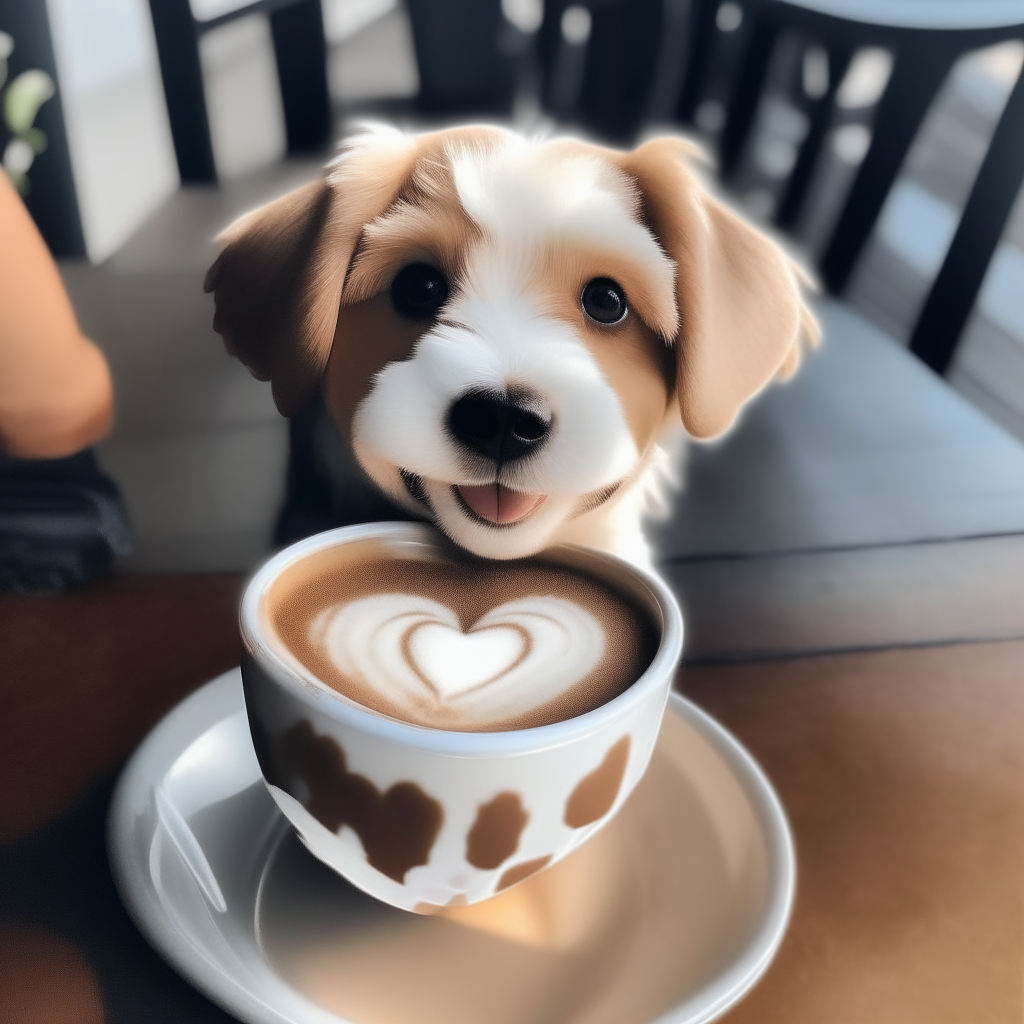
<point x="62" y="521"/>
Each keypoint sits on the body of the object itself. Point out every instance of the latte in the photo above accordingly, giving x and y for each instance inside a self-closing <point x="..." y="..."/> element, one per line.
<point x="453" y="643"/>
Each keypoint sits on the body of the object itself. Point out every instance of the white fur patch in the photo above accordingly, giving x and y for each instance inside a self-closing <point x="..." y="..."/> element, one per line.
<point x="524" y="198"/>
<point x="495" y="336"/>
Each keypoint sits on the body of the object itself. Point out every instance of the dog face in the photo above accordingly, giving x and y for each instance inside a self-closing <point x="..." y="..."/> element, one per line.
<point x="504" y="329"/>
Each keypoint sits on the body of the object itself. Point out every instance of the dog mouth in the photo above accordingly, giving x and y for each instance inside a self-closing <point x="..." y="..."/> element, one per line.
<point x="492" y="504"/>
<point x="496" y="504"/>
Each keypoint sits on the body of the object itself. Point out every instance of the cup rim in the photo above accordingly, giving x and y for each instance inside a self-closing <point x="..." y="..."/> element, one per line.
<point x="304" y="685"/>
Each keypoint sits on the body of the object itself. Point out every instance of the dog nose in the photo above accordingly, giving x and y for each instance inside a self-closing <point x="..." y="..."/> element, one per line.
<point x="494" y="427"/>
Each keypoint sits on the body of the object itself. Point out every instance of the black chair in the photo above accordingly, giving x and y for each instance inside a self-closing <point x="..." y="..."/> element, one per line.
<point x="299" y="50"/>
<point x="923" y="55"/>
<point x="465" y="53"/>
<point x="612" y="66"/>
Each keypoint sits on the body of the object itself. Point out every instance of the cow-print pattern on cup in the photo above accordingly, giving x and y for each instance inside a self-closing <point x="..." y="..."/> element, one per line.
<point x="397" y="827"/>
<point x="595" y="793"/>
<point x="495" y="834"/>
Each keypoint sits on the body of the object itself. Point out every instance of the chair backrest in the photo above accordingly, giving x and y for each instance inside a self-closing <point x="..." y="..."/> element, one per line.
<point x="611" y="66"/>
<point x="299" y="50"/>
<point x="781" y="41"/>
<point x="463" y="58"/>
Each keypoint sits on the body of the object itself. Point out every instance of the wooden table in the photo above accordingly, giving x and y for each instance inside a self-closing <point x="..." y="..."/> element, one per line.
<point x="901" y="770"/>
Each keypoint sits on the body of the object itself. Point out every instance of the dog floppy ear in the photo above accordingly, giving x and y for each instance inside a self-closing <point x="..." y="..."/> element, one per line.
<point x="742" y="317"/>
<point x="278" y="280"/>
<point x="274" y="285"/>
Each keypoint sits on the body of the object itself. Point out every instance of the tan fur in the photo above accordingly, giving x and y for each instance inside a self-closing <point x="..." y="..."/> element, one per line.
<point x="369" y="335"/>
<point x="279" y="277"/>
<point x="743" y="318"/>
<point x="425" y="223"/>
<point x="635" y="360"/>
<point x="573" y="265"/>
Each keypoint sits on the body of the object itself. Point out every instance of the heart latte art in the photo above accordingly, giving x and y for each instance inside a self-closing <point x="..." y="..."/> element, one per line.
<point x="414" y="652"/>
<point x="459" y="644"/>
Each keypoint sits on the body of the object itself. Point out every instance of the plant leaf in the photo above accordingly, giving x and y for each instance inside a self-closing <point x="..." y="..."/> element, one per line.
<point x="36" y="138"/>
<point x="23" y="98"/>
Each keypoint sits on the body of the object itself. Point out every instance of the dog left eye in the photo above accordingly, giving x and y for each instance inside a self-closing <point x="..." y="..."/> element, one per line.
<point x="419" y="291"/>
<point x="604" y="301"/>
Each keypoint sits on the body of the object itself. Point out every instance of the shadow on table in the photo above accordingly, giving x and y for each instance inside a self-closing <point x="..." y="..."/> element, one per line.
<point x="58" y="880"/>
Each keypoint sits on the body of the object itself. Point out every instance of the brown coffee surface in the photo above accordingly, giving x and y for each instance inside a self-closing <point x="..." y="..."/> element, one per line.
<point x="333" y="579"/>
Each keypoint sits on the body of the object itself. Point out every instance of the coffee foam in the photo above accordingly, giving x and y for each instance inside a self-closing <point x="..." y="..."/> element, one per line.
<point x="459" y="644"/>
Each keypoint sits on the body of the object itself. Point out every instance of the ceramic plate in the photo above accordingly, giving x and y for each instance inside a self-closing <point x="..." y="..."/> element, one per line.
<point x="670" y="914"/>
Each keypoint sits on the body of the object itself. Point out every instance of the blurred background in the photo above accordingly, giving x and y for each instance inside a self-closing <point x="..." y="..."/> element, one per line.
<point x="883" y="139"/>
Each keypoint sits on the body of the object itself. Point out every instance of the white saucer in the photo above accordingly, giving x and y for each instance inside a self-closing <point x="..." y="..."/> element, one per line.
<point x="670" y="914"/>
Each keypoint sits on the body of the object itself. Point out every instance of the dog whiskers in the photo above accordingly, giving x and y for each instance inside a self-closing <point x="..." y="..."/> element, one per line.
<point x="414" y="486"/>
<point x="595" y="499"/>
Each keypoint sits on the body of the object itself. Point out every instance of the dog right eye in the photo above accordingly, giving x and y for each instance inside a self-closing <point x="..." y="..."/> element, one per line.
<point x="603" y="301"/>
<point x="419" y="291"/>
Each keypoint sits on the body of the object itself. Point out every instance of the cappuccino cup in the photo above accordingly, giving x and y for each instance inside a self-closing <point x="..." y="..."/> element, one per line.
<point x="437" y="729"/>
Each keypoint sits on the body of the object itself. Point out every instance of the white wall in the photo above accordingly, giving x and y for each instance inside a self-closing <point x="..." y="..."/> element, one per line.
<point x="243" y="96"/>
<point x="118" y="132"/>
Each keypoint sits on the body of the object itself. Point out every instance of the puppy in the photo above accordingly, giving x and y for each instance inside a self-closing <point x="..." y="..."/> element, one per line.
<point x="510" y="332"/>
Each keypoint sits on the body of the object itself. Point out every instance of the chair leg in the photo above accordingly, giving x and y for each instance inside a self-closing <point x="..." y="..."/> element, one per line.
<point x="620" y="66"/>
<point x="746" y="94"/>
<point x="916" y="77"/>
<point x="701" y="48"/>
<point x="675" y="51"/>
<point x="299" y="48"/>
<point x="821" y="116"/>
<point x="985" y="214"/>
<point x="178" y="48"/>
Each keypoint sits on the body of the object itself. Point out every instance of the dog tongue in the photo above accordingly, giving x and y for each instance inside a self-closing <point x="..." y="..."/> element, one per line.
<point x="498" y="504"/>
